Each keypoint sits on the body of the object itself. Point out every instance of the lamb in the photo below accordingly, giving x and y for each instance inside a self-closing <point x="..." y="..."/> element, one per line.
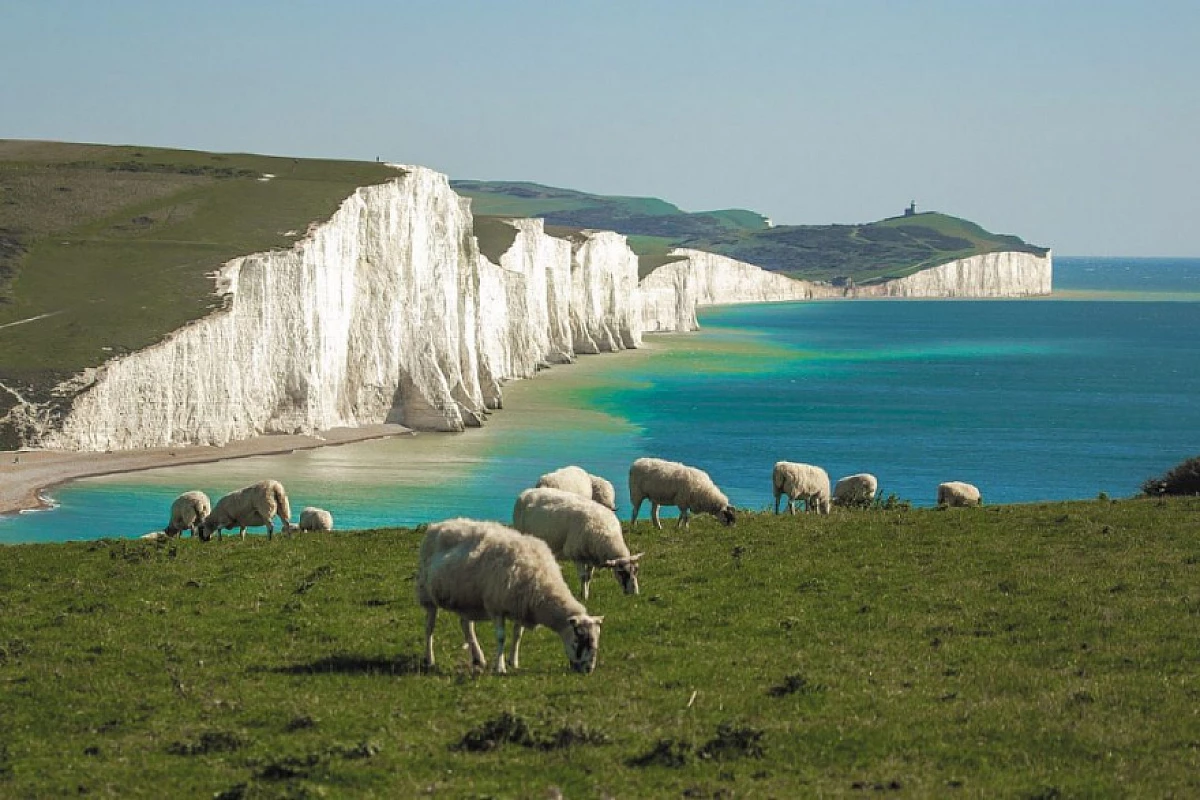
<point x="957" y="493"/>
<point x="855" y="490"/>
<point x="315" y="519"/>
<point x="188" y="513"/>
<point x="577" y="481"/>
<point x="801" y="482"/>
<point x="669" y="483"/>
<point x="251" y="505"/>
<point x="579" y="530"/>
<point x="485" y="570"/>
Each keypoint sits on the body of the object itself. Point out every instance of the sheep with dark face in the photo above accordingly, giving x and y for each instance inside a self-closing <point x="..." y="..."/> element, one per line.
<point x="578" y="481"/>
<point x="669" y="483"/>
<point x="247" y="507"/>
<point x="488" y="571"/>
<point x="801" y="482"/>
<point x="188" y="513"/>
<point x="957" y="493"/>
<point x="579" y="530"/>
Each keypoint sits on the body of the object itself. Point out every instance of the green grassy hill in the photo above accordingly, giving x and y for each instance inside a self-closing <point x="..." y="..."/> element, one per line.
<point x="104" y="250"/>
<point x="1048" y="650"/>
<point x="867" y="252"/>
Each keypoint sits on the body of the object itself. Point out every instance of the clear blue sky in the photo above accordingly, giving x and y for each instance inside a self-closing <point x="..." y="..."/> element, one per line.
<point x="1073" y="123"/>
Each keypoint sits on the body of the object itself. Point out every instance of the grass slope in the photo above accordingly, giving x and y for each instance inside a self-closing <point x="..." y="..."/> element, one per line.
<point x="1022" y="651"/>
<point x="868" y="252"/>
<point x="113" y="244"/>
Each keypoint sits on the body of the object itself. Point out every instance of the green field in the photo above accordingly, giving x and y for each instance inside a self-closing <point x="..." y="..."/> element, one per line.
<point x="1047" y="650"/>
<point x="865" y="253"/>
<point x="105" y="250"/>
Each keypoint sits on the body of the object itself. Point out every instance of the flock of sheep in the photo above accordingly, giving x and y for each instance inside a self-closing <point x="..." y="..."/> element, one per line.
<point x="490" y="571"/>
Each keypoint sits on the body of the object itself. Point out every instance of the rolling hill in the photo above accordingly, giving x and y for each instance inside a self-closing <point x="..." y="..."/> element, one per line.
<point x="865" y="253"/>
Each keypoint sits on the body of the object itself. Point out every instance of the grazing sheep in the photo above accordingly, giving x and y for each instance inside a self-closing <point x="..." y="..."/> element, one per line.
<point x="485" y="570"/>
<point x="577" y="481"/>
<point x="957" y="493"/>
<point x="315" y="519"/>
<point x="669" y="483"/>
<point x="249" y="506"/>
<point x="604" y="493"/>
<point x="578" y="530"/>
<point x="801" y="482"/>
<point x="188" y="513"/>
<point x="855" y="490"/>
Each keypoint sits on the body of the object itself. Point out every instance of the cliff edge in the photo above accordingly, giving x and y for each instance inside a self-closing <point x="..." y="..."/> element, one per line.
<point x="390" y="312"/>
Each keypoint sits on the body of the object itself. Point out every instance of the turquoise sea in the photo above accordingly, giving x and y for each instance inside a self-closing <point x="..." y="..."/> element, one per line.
<point x="1092" y="390"/>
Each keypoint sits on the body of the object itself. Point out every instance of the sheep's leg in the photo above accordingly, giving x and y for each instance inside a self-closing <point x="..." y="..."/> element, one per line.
<point x="270" y="529"/>
<point x="243" y="533"/>
<point x="777" y="495"/>
<point x="498" y="624"/>
<point x="791" y="505"/>
<point x="468" y="629"/>
<point x="654" y="514"/>
<point x="636" y="507"/>
<point x="585" y="578"/>
<point x="430" y="621"/>
<point x="683" y="518"/>
<point x="518" y="630"/>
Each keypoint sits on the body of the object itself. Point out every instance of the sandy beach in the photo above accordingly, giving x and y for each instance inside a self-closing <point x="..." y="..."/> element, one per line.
<point x="26" y="474"/>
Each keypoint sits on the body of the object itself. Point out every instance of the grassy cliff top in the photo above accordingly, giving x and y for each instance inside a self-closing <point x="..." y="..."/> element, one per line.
<point x="1038" y="650"/>
<point x="865" y="252"/>
<point x="104" y="250"/>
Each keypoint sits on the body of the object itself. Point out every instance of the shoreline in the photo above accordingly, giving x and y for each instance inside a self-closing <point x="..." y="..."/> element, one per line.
<point x="26" y="475"/>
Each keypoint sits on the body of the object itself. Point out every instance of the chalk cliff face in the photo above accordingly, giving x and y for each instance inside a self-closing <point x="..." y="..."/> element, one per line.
<point x="390" y="312"/>
<point x="1004" y="274"/>
<point x="387" y="312"/>
<point x="605" y="303"/>
<point x="671" y="294"/>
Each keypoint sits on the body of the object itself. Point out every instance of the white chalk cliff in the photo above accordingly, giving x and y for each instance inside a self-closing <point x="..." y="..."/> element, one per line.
<point x="389" y="312"/>
<point x="1002" y="274"/>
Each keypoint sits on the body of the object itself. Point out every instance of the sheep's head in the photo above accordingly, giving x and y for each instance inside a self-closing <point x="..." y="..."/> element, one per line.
<point x="626" y="572"/>
<point x="207" y="529"/>
<point x="581" y="640"/>
<point x="727" y="516"/>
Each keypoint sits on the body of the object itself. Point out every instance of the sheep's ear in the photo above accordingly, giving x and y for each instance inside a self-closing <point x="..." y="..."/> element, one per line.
<point x="633" y="559"/>
<point x="612" y="562"/>
<point x="598" y="620"/>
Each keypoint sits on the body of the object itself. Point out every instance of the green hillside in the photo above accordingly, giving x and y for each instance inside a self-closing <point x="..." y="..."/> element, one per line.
<point x="1047" y="650"/>
<point x="104" y="250"/>
<point x="866" y="252"/>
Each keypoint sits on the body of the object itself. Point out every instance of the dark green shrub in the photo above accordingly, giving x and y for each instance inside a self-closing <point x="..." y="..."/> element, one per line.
<point x="1182" y="479"/>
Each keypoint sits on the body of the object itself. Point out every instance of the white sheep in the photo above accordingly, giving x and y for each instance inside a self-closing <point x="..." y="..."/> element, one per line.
<point x="485" y="570"/>
<point x="577" y="481"/>
<point x="252" y="505"/>
<point x="855" y="490"/>
<point x="669" y="483"/>
<point x="578" y="530"/>
<point x="188" y="513"/>
<point x="315" y="519"/>
<point x="957" y="493"/>
<point x="801" y="482"/>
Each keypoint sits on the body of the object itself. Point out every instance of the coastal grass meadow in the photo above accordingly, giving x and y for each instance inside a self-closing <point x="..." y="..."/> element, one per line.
<point x="1007" y="651"/>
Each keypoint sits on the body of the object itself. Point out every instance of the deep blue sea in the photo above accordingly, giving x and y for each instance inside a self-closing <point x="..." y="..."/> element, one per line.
<point x="1092" y="390"/>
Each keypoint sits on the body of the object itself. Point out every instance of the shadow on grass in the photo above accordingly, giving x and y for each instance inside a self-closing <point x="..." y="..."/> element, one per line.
<point x="345" y="664"/>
